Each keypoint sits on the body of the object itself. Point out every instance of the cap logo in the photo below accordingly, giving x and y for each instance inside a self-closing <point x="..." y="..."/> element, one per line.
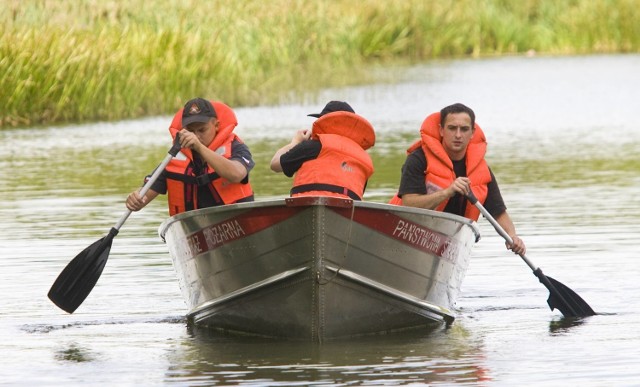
<point x="194" y="109"/>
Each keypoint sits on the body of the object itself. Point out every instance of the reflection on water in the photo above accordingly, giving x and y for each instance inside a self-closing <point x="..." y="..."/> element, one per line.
<point x="562" y="142"/>
<point x="74" y="354"/>
<point x="442" y="356"/>
<point x="565" y="325"/>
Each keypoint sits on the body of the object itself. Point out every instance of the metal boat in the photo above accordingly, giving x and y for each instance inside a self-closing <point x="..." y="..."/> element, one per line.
<point x="319" y="268"/>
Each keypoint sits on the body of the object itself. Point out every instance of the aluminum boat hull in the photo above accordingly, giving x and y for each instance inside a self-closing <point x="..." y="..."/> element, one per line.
<point x="319" y="268"/>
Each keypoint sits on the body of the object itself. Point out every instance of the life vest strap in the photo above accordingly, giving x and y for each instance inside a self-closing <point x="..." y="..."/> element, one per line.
<point x="325" y="187"/>
<point x="200" y="180"/>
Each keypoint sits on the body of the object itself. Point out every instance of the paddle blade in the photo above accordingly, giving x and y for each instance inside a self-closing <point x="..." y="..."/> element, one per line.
<point x="77" y="280"/>
<point x="568" y="302"/>
<point x="579" y="306"/>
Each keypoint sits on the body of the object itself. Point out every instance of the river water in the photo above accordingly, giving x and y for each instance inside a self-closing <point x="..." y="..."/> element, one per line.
<point x="563" y="143"/>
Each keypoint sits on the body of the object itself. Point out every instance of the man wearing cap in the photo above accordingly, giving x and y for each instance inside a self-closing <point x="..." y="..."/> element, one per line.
<point x="331" y="158"/>
<point x="212" y="167"/>
<point x="446" y="164"/>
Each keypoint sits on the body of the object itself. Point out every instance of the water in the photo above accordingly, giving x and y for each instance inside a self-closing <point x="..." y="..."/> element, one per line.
<point x="563" y="142"/>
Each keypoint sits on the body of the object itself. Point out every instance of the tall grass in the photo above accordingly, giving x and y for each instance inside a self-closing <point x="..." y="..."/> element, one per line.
<point x="71" y="61"/>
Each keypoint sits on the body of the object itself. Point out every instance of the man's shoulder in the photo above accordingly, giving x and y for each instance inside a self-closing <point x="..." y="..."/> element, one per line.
<point x="238" y="145"/>
<point x="310" y="147"/>
<point x="311" y="144"/>
<point x="419" y="152"/>
<point x="240" y="151"/>
<point x="417" y="157"/>
<point x="237" y="141"/>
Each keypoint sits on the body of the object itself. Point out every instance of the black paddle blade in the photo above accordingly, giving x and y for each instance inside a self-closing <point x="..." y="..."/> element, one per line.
<point x="579" y="306"/>
<point x="77" y="280"/>
<point x="568" y="302"/>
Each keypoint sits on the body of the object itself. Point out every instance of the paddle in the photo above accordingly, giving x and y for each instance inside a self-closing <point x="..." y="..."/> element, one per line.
<point x="568" y="302"/>
<point x="77" y="280"/>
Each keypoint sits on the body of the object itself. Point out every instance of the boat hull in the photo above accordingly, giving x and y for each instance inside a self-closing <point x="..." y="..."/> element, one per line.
<point x="318" y="268"/>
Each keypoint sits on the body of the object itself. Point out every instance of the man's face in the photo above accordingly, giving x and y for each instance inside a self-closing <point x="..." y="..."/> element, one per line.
<point x="205" y="131"/>
<point x="456" y="134"/>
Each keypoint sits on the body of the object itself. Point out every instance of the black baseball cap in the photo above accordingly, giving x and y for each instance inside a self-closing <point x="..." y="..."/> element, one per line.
<point x="197" y="110"/>
<point x="333" y="106"/>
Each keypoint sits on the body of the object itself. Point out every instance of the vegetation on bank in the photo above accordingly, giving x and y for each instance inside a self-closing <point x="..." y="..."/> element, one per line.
<point x="72" y="61"/>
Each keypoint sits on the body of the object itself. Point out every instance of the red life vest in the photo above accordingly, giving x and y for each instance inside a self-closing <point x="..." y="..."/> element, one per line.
<point x="440" y="174"/>
<point x="343" y="167"/>
<point x="181" y="178"/>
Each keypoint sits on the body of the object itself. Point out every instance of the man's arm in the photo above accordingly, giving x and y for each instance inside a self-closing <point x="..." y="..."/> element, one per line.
<point x="135" y="202"/>
<point x="504" y="220"/>
<point x="430" y="201"/>
<point x="412" y="184"/>
<point x="300" y="136"/>
<point x="494" y="204"/>
<point x="232" y="170"/>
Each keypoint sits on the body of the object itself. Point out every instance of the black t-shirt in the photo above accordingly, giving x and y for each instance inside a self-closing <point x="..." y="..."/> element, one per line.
<point x="412" y="182"/>
<point x="206" y="196"/>
<point x="293" y="159"/>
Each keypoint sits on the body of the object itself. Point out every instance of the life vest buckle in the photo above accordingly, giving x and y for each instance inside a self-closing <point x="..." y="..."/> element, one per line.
<point x="203" y="179"/>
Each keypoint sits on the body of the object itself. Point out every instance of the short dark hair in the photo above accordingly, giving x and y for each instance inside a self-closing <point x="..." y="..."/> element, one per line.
<point x="457" y="108"/>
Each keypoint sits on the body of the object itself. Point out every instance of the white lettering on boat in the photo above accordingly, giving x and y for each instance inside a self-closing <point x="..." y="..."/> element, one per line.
<point x="451" y="251"/>
<point x="194" y="245"/>
<point x="418" y="236"/>
<point x="230" y="230"/>
<point x="214" y="236"/>
<point x="223" y="232"/>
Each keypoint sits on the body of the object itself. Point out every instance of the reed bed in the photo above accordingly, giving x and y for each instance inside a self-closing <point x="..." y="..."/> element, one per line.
<point x="87" y="60"/>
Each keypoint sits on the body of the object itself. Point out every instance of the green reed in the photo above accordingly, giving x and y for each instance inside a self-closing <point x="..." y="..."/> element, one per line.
<point x="71" y="61"/>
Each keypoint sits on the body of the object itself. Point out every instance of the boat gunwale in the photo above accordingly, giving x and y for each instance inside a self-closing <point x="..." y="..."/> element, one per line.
<point x="309" y="201"/>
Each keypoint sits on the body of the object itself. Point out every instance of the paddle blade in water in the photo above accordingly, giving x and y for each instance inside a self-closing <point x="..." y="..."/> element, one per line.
<point x="77" y="280"/>
<point x="568" y="302"/>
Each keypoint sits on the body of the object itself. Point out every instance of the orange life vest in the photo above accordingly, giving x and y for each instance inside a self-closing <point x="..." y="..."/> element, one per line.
<point x="343" y="167"/>
<point x="440" y="174"/>
<point x="348" y="125"/>
<point x="182" y="182"/>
